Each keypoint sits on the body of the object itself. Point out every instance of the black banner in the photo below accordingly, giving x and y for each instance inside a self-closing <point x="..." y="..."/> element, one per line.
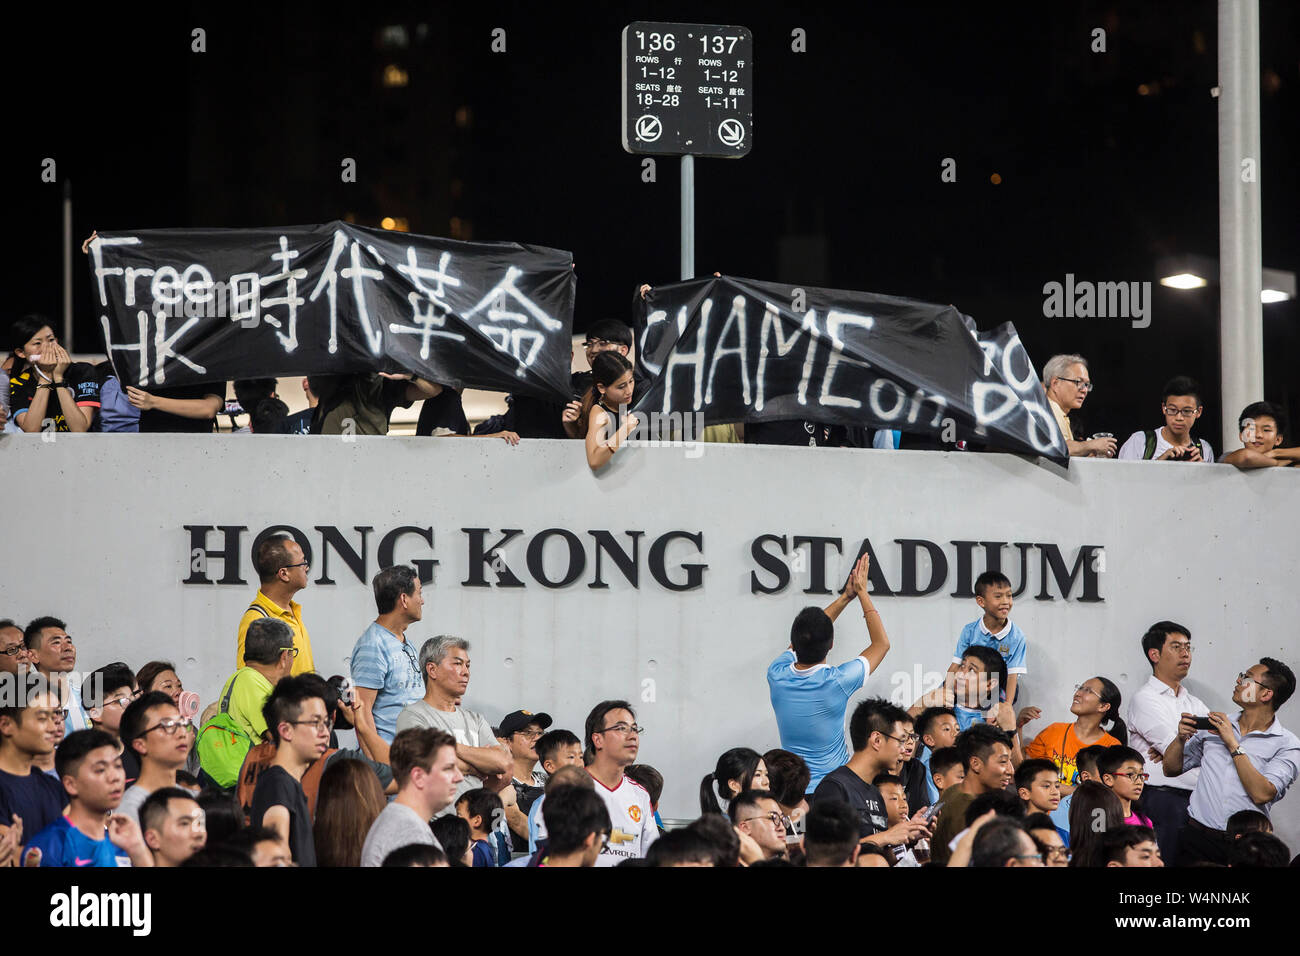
<point x="180" y="306"/>
<point x="739" y="350"/>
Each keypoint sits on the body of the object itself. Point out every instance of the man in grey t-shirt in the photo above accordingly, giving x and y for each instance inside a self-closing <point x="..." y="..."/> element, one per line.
<point x="425" y="767"/>
<point x="444" y="662"/>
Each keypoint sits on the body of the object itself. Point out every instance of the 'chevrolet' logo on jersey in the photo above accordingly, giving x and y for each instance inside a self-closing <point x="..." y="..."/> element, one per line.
<point x="621" y="836"/>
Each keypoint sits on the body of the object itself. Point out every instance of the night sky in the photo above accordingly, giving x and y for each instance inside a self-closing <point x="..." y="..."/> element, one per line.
<point x="842" y="187"/>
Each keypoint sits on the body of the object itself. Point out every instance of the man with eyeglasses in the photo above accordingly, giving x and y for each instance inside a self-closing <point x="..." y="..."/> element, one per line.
<point x="1182" y="408"/>
<point x="612" y="742"/>
<point x="299" y="721"/>
<point x="1003" y="842"/>
<point x="1247" y="761"/>
<point x="876" y="732"/>
<point x="1047" y="838"/>
<point x="520" y="730"/>
<point x="239" y="725"/>
<point x="13" y="650"/>
<point x="282" y="572"/>
<point x="269" y="657"/>
<point x="29" y="727"/>
<point x="1068" y="384"/>
<point x="152" y="727"/>
<point x="757" y="815"/>
<point x="54" y="654"/>
<point x="1152" y="718"/>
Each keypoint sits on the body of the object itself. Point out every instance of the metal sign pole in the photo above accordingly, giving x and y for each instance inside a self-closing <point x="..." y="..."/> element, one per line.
<point x="688" y="217"/>
<point x="66" y="341"/>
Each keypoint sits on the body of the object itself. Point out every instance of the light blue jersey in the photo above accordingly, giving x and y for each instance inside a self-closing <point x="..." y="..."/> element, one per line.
<point x="810" y="707"/>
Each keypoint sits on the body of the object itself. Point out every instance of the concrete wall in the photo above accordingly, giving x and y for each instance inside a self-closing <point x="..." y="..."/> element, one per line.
<point x="94" y="533"/>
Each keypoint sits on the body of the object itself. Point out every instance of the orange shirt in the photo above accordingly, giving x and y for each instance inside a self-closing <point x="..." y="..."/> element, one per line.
<point x="1059" y="744"/>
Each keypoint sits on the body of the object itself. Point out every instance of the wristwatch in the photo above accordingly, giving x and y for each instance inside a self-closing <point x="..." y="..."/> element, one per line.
<point x="1239" y="752"/>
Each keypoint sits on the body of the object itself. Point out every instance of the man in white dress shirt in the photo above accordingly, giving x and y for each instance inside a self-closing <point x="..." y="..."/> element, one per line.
<point x="1152" y="718"/>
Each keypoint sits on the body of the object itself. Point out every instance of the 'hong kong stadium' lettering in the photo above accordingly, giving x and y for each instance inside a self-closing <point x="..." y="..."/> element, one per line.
<point x="674" y="560"/>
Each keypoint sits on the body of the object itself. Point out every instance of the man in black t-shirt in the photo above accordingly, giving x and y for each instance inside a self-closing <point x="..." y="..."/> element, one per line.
<point x="300" y="724"/>
<point x="876" y="733"/>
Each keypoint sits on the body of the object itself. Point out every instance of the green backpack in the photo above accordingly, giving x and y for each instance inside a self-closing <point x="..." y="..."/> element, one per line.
<point x="223" y="744"/>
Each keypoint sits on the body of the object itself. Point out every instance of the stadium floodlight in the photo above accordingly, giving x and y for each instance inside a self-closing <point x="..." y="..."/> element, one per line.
<point x="1184" y="280"/>
<point x="1198" y="272"/>
<point x="1187" y="271"/>
<point x="1278" y="286"/>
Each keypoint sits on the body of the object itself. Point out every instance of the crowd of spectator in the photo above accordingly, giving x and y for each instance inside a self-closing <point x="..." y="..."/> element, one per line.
<point x="117" y="766"/>
<point x="47" y="391"/>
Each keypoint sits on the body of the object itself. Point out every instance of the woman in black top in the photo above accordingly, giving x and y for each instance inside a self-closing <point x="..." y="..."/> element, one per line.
<point x="603" y="418"/>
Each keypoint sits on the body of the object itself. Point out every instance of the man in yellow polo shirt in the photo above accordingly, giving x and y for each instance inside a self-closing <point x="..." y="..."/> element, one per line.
<point x="283" y="573"/>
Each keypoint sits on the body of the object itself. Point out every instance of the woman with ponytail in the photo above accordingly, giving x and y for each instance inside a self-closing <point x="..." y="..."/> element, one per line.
<point x="602" y="418"/>
<point x="1095" y="707"/>
<point x="738" y="770"/>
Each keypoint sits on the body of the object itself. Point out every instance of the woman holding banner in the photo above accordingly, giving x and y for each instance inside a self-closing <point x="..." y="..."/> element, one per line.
<point x="604" y="405"/>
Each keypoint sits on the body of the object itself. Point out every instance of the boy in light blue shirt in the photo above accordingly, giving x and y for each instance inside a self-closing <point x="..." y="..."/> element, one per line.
<point x="994" y="629"/>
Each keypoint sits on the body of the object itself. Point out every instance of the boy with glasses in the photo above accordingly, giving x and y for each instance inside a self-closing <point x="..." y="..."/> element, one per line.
<point x="153" y="729"/>
<point x="1121" y="769"/>
<point x="613" y="740"/>
<point x="106" y="694"/>
<point x="29" y="728"/>
<point x="1182" y="408"/>
<point x="299" y="722"/>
